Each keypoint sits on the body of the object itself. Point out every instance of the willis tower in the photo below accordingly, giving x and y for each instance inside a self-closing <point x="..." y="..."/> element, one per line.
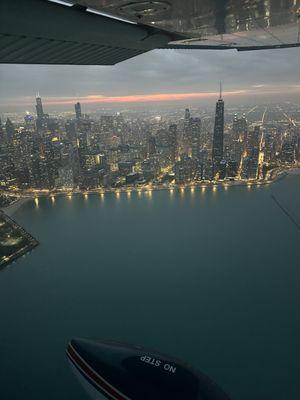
<point x="217" y="150"/>
<point x="39" y="107"/>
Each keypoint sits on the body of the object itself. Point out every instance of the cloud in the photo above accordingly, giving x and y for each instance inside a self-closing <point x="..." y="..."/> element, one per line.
<point x="254" y="91"/>
<point x="156" y="72"/>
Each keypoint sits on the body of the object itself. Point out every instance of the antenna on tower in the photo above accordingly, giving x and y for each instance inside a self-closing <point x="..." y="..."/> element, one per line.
<point x="220" y="89"/>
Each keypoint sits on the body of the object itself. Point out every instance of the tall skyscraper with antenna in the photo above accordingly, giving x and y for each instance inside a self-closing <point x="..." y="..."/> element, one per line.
<point x="39" y="107"/>
<point x="218" y="138"/>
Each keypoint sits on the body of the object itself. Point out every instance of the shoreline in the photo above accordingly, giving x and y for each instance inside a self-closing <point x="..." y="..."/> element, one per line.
<point x="14" y="207"/>
<point x="24" y="198"/>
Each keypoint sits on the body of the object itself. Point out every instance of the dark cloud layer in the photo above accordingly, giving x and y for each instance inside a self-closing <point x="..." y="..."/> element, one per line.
<point x="157" y="71"/>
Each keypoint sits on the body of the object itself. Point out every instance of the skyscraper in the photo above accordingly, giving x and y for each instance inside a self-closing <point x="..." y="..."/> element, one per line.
<point x="39" y="107"/>
<point x="151" y="145"/>
<point x="172" y="142"/>
<point x="78" y="110"/>
<point x="187" y="116"/>
<point x="186" y="145"/>
<point x="239" y="128"/>
<point x="2" y="136"/>
<point x="217" y="150"/>
<point x="10" y="129"/>
<point x="195" y="132"/>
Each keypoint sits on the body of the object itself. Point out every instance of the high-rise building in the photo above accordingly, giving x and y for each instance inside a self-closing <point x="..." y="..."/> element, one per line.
<point x="2" y="135"/>
<point x="195" y="132"/>
<point x="184" y="170"/>
<point x="70" y="130"/>
<point x="10" y="129"/>
<point x="187" y="115"/>
<point x="65" y="179"/>
<point x="39" y="107"/>
<point x="151" y="145"/>
<point x="83" y="149"/>
<point x="239" y="128"/>
<point x="78" y="110"/>
<point x="186" y="144"/>
<point x="287" y="153"/>
<point x="172" y="142"/>
<point x="253" y="138"/>
<point x="232" y="169"/>
<point x="218" y="138"/>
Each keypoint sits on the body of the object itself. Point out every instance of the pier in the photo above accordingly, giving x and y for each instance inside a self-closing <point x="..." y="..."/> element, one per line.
<point x="15" y="241"/>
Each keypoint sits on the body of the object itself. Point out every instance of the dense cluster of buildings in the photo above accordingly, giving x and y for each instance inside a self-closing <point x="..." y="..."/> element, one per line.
<point x="45" y="153"/>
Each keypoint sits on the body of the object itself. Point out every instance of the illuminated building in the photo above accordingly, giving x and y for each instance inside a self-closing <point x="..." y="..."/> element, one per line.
<point x="232" y="169"/>
<point x="151" y="145"/>
<point x="65" y="178"/>
<point x="184" y="170"/>
<point x="218" y="137"/>
<point x="287" y="154"/>
<point x="222" y="169"/>
<point x="172" y="142"/>
<point x="195" y="132"/>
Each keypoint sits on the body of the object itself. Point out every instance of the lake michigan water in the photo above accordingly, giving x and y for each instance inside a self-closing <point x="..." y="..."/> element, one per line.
<point x="210" y="277"/>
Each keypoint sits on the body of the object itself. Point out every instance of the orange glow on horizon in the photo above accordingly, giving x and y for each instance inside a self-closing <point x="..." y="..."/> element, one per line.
<point x="157" y="97"/>
<point x="139" y="98"/>
<point x="161" y="97"/>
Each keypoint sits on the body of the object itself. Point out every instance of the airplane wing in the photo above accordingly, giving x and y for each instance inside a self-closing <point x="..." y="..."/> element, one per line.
<point x="105" y="32"/>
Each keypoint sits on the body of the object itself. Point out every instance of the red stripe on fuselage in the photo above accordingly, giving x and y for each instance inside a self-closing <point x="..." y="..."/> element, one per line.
<point x="92" y="375"/>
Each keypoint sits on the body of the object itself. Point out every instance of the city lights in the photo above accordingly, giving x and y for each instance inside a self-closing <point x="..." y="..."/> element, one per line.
<point x="49" y="155"/>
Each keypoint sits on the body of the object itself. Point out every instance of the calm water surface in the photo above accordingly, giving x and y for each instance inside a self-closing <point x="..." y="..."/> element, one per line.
<point x="209" y="277"/>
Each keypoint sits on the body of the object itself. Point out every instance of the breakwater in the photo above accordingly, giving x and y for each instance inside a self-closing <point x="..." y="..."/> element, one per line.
<point x="15" y="241"/>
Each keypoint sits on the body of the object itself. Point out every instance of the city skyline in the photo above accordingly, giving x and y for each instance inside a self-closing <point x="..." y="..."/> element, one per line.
<point x="149" y="199"/>
<point x="264" y="91"/>
<point x="44" y="155"/>
<point x="156" y="73"/>
<point x="117" y="151"/>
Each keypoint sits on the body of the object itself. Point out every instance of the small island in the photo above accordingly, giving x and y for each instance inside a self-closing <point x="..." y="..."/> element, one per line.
<point x="14" y="240"/>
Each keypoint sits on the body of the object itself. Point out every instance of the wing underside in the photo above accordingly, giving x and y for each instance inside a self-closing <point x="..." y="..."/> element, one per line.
<point x="105" y="32"/>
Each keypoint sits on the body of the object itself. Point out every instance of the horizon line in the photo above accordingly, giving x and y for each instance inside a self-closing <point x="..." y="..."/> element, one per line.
<point x="153" y="98"/>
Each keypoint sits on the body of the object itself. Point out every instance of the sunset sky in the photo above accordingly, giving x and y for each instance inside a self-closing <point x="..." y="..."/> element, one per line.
<point x="157" y="76"/>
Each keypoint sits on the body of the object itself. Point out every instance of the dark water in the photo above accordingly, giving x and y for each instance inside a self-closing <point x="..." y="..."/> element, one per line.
<point x="212" y="278"/>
